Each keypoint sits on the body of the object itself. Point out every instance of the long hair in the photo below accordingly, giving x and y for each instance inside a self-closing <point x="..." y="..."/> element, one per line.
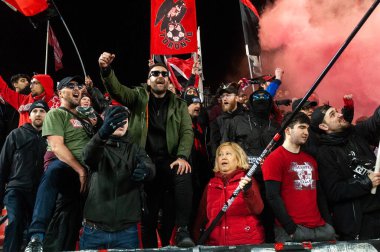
<point x="240" y="154"/>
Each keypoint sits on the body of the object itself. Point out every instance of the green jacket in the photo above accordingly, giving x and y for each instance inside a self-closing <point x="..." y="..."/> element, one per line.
<point x="179" y="132"/>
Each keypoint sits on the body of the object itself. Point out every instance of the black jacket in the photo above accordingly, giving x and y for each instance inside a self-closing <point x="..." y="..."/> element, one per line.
<point x="344" y="161"/>
<point x="220" y="128"/>
<point x="21" y="160"/>
<point x="114" y="200"/>
<point x="253" y="133"/>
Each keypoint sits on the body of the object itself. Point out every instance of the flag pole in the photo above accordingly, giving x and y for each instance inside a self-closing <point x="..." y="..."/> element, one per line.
<point x="377" y="167"/>
<point x="277" y="137"/>
<point x="249" y="61"/>
<point x="201" y="76"/>
<point x="71" y="37"/>
<point x="47" y="45"/>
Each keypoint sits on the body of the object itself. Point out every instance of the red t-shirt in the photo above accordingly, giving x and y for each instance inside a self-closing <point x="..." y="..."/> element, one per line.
<point x="298" y="175"/>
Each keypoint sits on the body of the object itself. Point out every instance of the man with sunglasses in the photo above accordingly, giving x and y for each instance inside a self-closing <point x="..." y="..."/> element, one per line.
<point x="65" y="173"/>
<point x="161" y="124"/>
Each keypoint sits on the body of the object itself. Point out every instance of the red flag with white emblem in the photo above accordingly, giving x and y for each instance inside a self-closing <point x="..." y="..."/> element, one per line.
<point x="173" y="27"/>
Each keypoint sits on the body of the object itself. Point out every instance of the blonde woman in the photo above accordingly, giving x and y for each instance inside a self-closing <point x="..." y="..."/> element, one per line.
<point x="240" y="224"/>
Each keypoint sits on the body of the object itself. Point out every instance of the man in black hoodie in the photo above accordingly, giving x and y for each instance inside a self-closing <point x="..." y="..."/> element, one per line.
<point x="253" y="131"/>
<point x="21" y="166"/>
<point x="346" y="163"/>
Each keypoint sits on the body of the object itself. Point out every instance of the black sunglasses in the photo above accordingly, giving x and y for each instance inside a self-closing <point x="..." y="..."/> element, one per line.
<point x="157" y="73"/>
<point x="73" y="85"/>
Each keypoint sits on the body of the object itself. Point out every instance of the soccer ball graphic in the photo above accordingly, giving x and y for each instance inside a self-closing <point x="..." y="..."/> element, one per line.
<point x="175" y="32"/>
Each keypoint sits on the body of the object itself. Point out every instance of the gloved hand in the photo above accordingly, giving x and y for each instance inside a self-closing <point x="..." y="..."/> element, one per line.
<point x="140" y="172"/>
<point x="114" y="119"/>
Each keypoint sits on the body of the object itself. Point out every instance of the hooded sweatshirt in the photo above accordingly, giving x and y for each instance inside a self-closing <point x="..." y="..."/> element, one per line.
<point x="22" y="102"/>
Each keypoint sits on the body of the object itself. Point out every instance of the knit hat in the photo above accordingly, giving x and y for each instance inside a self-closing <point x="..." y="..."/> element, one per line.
<point x="39" y="104"/>
<point x="190" y="99"/>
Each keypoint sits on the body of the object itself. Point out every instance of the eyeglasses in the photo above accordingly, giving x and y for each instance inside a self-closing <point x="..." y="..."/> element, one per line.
<point x="34" y="83"/>
<point x="260" y="96"/>
<point x="73" y="85"/>
<point x="157" y="73"/>
<point x="226" y="95"/>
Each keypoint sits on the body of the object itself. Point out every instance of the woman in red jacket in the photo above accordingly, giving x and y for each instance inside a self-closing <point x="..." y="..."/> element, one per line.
<point x="240" y="224"/>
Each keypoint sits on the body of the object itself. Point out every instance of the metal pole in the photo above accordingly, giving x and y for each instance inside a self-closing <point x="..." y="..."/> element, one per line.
<point x="277" y="137"/>
<point x="47" y="45"/>
<point x="71" y="37"/>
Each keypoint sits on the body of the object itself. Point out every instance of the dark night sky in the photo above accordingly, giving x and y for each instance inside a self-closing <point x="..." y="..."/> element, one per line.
<point x="99" y="26"/>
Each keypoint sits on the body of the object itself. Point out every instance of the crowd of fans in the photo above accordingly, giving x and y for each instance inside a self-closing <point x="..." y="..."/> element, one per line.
<point x="110" y="170"/>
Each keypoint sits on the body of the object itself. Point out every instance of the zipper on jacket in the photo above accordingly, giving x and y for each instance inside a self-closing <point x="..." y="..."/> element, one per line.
<point x="249" y="120"/>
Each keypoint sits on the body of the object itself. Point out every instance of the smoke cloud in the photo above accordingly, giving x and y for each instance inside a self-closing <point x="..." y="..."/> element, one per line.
<point x="303" y="36"/>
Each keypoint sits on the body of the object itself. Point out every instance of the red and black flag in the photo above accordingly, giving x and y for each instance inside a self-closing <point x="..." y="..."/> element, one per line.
<point x="180" y="72"/>
<point x="250" y="22"/>
<point x="173" y="27"/>
<point x="27" y="7"/>
<point x="53" y="41"/>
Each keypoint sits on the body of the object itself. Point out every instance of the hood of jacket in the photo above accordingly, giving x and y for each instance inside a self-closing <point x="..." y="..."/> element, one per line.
<point x="48" y="84"/>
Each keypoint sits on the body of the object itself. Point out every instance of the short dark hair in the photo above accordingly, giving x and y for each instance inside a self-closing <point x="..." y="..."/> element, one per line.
<point x="16" y="77"/>
<point x="299" y="117"/>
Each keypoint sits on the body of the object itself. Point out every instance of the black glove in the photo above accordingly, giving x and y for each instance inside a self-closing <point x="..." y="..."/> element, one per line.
<point x="247" y="186"/>
<point x="114" y="119"/>
<point x="140" y="173"/>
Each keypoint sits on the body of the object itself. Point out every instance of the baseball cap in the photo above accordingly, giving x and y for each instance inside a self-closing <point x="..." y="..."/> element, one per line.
<point x="68" y="79"/>
<point x="307" y="103"/>
<point x="318" y="116"/>
<point x="230" y="89"/>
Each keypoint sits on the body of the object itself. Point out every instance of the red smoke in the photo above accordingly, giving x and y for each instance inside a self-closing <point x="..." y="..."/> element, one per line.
<point x="302" y="37"/>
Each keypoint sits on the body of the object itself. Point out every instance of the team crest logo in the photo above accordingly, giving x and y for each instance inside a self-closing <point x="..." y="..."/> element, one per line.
<point x="173" y="32"/>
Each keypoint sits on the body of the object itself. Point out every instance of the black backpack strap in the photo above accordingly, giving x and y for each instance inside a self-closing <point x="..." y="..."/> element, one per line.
<point x="87" y="125"/>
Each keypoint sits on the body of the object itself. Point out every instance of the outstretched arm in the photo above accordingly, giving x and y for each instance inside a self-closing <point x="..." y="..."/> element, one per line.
<point x="9" y="95"/>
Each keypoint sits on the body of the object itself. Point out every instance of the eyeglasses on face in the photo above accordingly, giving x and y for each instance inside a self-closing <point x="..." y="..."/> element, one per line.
<point x="157" y="73"/>
<point x="73" y="85"/>
<point x="260" y="96"/>
<point x="34" y="83"/>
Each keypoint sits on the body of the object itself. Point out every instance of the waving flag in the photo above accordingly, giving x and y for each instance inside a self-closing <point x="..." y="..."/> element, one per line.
<point x="173" y="27"/>
<point x="250" y="21"/>
<point x="27" y="7"/>
<point x="53" y="41"/>
<point x="180" y="71"/>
